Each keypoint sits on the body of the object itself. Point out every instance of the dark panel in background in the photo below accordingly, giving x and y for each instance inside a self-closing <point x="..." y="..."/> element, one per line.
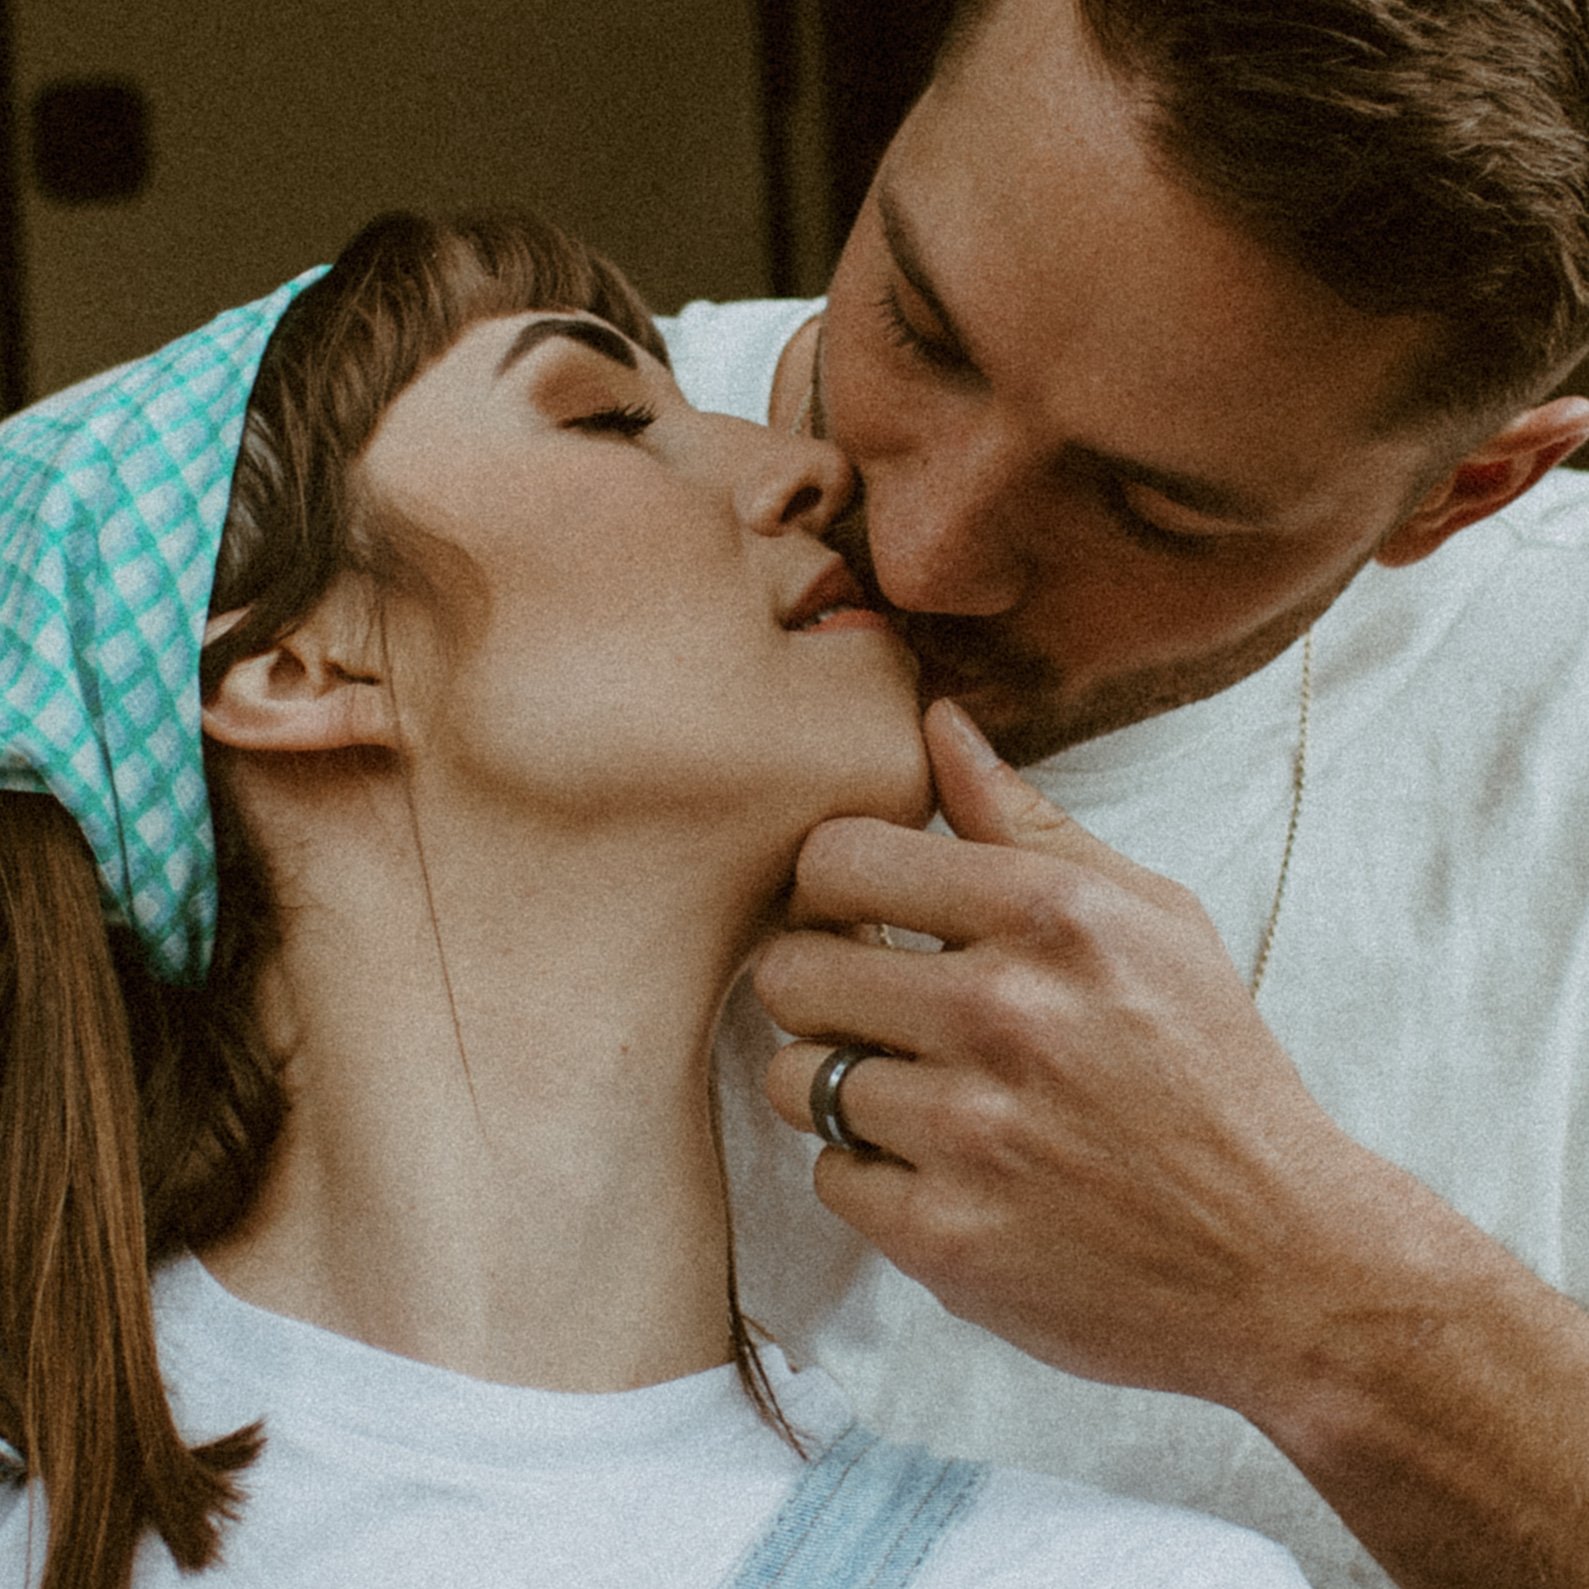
<point x="91" y="141"/>
<point x="837" y="78"/>
<point x="13" y="317"/>
<point x="878" y="57"/>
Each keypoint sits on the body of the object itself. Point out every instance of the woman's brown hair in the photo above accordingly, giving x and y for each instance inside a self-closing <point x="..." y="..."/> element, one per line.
<point x="137" y="1118"/>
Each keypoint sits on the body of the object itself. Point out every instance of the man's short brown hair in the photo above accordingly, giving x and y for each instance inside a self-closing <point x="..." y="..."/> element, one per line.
<point x="1419" y="157"/>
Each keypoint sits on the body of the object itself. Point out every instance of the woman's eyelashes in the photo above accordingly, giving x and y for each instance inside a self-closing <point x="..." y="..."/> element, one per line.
<point x="624" y="420"/>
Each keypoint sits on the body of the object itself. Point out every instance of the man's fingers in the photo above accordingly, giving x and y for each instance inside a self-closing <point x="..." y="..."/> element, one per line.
<point x="788" y="1081"/>
<point x="871" y="1195"/>
<point x="1018" y="856"/>
<point x="986" y="800"/>
<point x="880" y="1098"/>
<point x="860" y="869"/>
<point x="905" y="1108"/>
<point x="819" y="985"/>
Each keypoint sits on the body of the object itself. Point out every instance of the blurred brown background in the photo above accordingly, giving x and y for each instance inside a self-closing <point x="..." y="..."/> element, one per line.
<point x="161" y="161"/>
<point x="165" y="160"/>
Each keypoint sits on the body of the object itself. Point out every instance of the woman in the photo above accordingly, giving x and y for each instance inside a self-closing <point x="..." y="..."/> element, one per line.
<point x="521" y="682"/>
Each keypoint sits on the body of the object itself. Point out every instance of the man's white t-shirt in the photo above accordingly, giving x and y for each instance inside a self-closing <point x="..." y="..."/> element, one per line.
<point x="1430" y="974"/>
<point x="380" y="1472"/>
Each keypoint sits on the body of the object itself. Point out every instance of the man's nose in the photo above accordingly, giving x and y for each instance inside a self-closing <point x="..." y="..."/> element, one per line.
<point x="794" y="483"/>
<point x="945" y="547"/>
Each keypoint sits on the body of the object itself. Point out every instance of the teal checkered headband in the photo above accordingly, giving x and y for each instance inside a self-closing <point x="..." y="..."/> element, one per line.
<point x="112" y="499"/>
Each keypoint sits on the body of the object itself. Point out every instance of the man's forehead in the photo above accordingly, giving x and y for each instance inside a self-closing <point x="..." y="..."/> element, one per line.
<point x="1118" y="309"/>
<point x="1038" y="62"/>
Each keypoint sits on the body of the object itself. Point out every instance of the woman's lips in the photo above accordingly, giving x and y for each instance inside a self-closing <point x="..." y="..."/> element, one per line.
<point x="833" y="602"/>
<point x="835" y="619"/>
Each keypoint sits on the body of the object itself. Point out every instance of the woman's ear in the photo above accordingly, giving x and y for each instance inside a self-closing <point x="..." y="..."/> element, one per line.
<point x="314" y="690"/>
<point x="1493" y="474"/>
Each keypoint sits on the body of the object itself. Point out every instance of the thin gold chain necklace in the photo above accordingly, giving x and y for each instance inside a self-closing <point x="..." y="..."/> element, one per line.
<point x="1299" y="782"/>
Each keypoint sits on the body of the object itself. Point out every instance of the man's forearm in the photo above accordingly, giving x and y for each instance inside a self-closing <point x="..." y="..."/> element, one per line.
<point x="1443" y="1407"/>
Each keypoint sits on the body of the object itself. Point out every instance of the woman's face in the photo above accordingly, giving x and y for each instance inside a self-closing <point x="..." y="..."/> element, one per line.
<point x="659" y="628"/>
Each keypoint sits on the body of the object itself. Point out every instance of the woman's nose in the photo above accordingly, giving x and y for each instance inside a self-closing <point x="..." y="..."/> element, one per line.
<point x="796" y="483"/>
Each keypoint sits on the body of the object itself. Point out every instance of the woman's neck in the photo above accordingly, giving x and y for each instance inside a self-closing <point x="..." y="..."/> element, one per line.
<point x="499" y="1156"/>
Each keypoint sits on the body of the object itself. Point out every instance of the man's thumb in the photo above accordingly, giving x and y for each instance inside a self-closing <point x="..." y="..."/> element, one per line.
<point x="982" y="797"/>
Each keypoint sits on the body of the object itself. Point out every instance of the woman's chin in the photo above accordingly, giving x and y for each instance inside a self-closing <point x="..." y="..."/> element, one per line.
<point x="893" y="783"/>
<point x="911" y="795"/>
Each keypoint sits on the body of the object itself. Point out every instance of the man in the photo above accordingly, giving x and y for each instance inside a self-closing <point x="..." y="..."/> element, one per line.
<point x="1174" y="332"/>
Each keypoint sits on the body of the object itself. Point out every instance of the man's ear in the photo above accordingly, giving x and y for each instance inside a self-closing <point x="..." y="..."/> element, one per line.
<point x="1496" y="472"/>
<point x="314" y="690"/>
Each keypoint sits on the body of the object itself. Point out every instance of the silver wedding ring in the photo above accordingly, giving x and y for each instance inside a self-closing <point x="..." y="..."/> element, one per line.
<point x="826" y="1116"/>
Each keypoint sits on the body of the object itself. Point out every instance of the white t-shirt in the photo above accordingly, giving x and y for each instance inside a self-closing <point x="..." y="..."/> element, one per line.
<point x="380" y="1472"/>
<point x="1430" y="975"/>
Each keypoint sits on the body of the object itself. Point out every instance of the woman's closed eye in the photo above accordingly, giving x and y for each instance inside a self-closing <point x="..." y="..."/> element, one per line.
<point x="626" y="420"/>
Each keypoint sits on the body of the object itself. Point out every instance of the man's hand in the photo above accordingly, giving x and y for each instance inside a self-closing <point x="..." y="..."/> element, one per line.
<point x="1093" y="1145"/>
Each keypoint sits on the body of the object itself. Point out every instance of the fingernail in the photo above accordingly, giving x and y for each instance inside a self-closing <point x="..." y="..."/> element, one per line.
<point x="972" y="737"/>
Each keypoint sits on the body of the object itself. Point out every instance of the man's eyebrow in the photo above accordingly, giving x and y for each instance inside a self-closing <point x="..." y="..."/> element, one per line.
<point x="900" y="236"/>
<point x="1209" y="497"/>
<point x="592" y="333"/>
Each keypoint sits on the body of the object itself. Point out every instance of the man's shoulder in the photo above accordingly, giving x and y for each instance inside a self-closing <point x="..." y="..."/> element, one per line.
<point x="1508" y="598"/>
<point x="1532" y="600"/>
<point x="725" y="354"/>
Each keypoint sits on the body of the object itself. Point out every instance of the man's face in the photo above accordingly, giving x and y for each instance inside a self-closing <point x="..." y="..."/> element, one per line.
<point x="1116" y="456"/>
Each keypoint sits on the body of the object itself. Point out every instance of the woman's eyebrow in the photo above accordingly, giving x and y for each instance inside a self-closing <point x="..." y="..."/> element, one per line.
<point x="591" y="333"/>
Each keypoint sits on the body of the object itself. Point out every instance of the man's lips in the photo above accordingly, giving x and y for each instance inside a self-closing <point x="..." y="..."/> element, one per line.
<point x="964" y="656"/>
<point x="958" y="654"/>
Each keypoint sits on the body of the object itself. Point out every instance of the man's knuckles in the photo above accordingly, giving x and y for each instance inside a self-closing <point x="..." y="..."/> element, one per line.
<point x="938" y="1239"/>
<point x="981" y="1127"/>
<point x="1002" y="1011"/>
<point x="1049" y="904"/>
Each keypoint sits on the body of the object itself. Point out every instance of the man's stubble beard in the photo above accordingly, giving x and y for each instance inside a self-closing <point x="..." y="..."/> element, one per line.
<point x="1016" y="694"/>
